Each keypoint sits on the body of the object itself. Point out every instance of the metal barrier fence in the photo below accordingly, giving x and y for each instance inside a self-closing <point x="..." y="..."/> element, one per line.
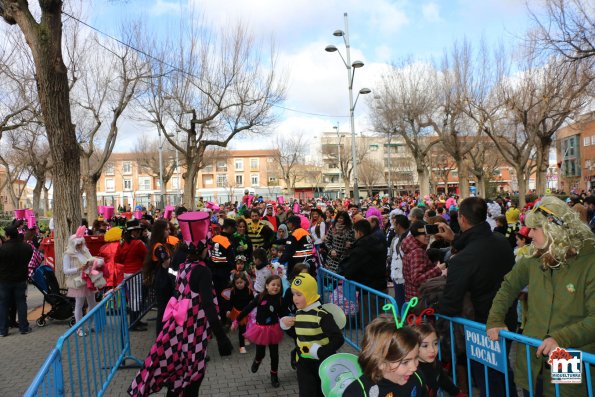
<point x="140" y="298"/>
<point x="487" y="362"/>
<point x="361" y="304"/>
<point x="492" y="358"/>
<point x="84" y="366"/>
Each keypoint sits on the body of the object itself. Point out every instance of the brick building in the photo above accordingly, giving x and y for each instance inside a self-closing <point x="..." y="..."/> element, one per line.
<point x="575" y="151"/>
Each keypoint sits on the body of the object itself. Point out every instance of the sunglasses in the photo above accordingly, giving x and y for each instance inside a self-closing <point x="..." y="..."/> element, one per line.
<point x="549" y="214"/>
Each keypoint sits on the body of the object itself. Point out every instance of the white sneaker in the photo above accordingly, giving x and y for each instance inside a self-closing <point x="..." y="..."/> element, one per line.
<point x="243" y="350"/>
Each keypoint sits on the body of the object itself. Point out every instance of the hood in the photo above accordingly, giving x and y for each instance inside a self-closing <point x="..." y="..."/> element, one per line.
<point x="410" y="244"/>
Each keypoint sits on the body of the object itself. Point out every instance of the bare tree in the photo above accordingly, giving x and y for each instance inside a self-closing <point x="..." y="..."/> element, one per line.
<point x="441" y="165"/>
<point x="104" y="83"/>
<point x="543" y="98"/>
<point x="566" y="28"/>
<point x="484" y="161"/>
<point x="289" y="154"/>
<point x="223" y="82"/>
<point x="403" y="101"/>
<point x="146" y="153"/>
<point x="17" y="172"/>
<point x="43" y="35"/>
<point x="370" y="172"/>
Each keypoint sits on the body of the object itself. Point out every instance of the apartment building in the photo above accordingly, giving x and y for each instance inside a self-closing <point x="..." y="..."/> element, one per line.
<point x="224" y="177"/>
<point x="575" y="151"/>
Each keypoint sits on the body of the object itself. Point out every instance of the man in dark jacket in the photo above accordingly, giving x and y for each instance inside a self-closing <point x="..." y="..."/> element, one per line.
<point x="298" y="247"/>
<point x="478" y="266"/>
<point x="221" y="261"/>
<point x="15" y="255"/>
<point x="366" y="264"/>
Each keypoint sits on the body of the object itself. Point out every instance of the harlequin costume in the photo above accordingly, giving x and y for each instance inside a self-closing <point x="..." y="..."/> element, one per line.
<point x="177" y="359"/>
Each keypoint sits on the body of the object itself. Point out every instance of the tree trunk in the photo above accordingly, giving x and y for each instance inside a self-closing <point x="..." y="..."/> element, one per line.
<point x="482" y="186"/>
<point x="347" y="187"/>
<point x="91" y="194"/>
<point x="463" y="179"/>
<point x="522" y="182"/>
<point x="543" y="151"/>
<point x="45" y="41"/>
<point x="46" y="200"/>
<point x="190" y="183"/>
<point x="423" y="179"/>
<point x="37" y="194"/>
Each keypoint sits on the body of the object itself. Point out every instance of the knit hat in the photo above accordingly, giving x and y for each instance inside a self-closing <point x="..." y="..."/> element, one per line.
<point x="308" y="286"/>
<point x="417" y="228"/>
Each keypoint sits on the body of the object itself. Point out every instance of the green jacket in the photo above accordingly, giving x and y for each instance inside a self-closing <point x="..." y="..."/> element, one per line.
<point x="561" y="304"/>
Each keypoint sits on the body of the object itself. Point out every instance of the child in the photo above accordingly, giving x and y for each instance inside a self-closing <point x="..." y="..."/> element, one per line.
<point x="435" y="377"/>
<point x="263" y="269"/>
<point x="289" y="309"/>
<point x="266" y="331"/>
<point x="318" y="336"/>
<point x="240" y="297"/>
<point x="239" y="268"/>
<point x="388" y="358"/>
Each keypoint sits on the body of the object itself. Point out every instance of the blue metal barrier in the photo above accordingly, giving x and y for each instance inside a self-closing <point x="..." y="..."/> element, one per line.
<point x="84" y="366"/>
<point x="361" y="304"/>
<point x="495" y="355"/>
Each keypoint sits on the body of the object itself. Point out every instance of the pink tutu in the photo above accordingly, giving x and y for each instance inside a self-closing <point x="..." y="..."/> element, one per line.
<point x="264" y="334"/>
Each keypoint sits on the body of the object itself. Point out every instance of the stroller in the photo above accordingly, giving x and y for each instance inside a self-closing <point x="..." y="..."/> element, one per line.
<point x="62" y="307"/>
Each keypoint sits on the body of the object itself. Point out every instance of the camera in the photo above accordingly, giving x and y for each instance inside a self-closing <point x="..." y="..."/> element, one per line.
<point x="431" y="229"/>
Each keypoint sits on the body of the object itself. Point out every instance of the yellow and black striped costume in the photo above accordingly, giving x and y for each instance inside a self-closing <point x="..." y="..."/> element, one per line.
<point x="308" y="330"/>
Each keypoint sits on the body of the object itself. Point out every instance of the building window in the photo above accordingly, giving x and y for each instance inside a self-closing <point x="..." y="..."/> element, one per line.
<point x="144" y="183"/>
<point x="253" y="164"/>
<point x="221" y="165"/>
<point x="270" y="159"/>
<point x="221" y="180"/>
<point x="239" y="164"/>
<point x="587" y="141"/>
<point x="254" y="179"/>
<point x="109" y="169"/>
<point x="588" y="164"/>
<point x="110" y="185"/>
<point x="593" y="140"/>
<point x="127" y="168"/>
<point x="208" y="168"/>
<point x="239" y="180"/>
<point x="175" y="184"/>
<point x="127" y="184"/>
<point x="373" y="148"/>
<point x="207" y="180"/>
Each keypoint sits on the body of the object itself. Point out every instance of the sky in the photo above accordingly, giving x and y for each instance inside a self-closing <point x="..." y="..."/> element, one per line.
<point x="381" y="32"/>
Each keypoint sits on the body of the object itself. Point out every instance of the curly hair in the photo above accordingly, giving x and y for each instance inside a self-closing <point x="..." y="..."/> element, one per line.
<point x="565" y="235"/>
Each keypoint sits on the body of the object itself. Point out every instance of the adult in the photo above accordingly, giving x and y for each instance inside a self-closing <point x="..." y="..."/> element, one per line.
<point x="156" y="269"/>
<point x="338" y="240"/>
<point x="417" y="266"/>
<point x="270" y="217"/>
<point x="400" y="226"/>
<point x="131" y="254"/>
<point x="298" y="247"/>
<point x="261" y="235"/>
<point x="317" y="228"/>
<point x="240" y="241"/>
<point x="222" y="262"/>
<point x="78" y="259"/>
<point x="416" y="214"/>
<point x="15" y="256"/>
<point x="579" y="208"/>
<point x="366" y="264"/>
<point x="590" y="202"/>
<point x="482" y="259"/>
<point x="177" y="360"/>
<point x="561" y="301"/>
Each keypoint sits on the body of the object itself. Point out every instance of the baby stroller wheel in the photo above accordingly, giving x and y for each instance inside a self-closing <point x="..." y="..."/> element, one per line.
<point x="40" y="322"/>
<point x="72" y="322"/>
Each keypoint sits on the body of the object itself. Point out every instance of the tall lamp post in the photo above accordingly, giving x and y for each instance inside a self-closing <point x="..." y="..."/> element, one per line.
<point x="340" y="136"/>
<point x="350" y="74"/>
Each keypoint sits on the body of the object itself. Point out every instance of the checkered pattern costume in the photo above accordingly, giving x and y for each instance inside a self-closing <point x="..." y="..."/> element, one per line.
<point x="177" y="359"/>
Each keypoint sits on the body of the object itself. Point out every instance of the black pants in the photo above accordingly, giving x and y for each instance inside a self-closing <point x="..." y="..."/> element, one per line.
<point x="241" y="330"/>
<point x="308" y="378"/>
<point x="273" y="350"/>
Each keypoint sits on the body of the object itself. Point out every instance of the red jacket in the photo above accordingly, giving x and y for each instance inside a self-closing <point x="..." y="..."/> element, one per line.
<point x="115" y="270"/>
<point x="417" y="266"/>
<point x="132" y="255"/>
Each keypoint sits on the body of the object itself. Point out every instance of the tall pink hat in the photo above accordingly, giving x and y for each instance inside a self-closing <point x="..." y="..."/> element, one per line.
<point x="20" y="214"/>
<point x="108" y="212"/>
<point x="169" y="210"/>
<point x="100" y="209"/>
<point x="194" y="226"/>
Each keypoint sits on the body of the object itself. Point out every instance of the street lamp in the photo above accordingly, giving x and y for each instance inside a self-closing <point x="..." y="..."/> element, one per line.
<point x="350" y="74"/>
<point x="340" y="136"/>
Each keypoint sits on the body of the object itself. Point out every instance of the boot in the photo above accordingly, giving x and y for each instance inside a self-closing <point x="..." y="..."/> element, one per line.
<point x="255" y="365"/>
<point x="275" y="379"/>
<point x="292" y="359"/>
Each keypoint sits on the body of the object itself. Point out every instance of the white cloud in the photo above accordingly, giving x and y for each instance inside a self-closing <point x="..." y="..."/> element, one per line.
<point x="162" y="7"/>
<point x="431" y="12"/>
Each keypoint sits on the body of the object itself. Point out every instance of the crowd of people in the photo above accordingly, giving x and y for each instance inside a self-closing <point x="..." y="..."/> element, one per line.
<point x="251" y="266"/>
